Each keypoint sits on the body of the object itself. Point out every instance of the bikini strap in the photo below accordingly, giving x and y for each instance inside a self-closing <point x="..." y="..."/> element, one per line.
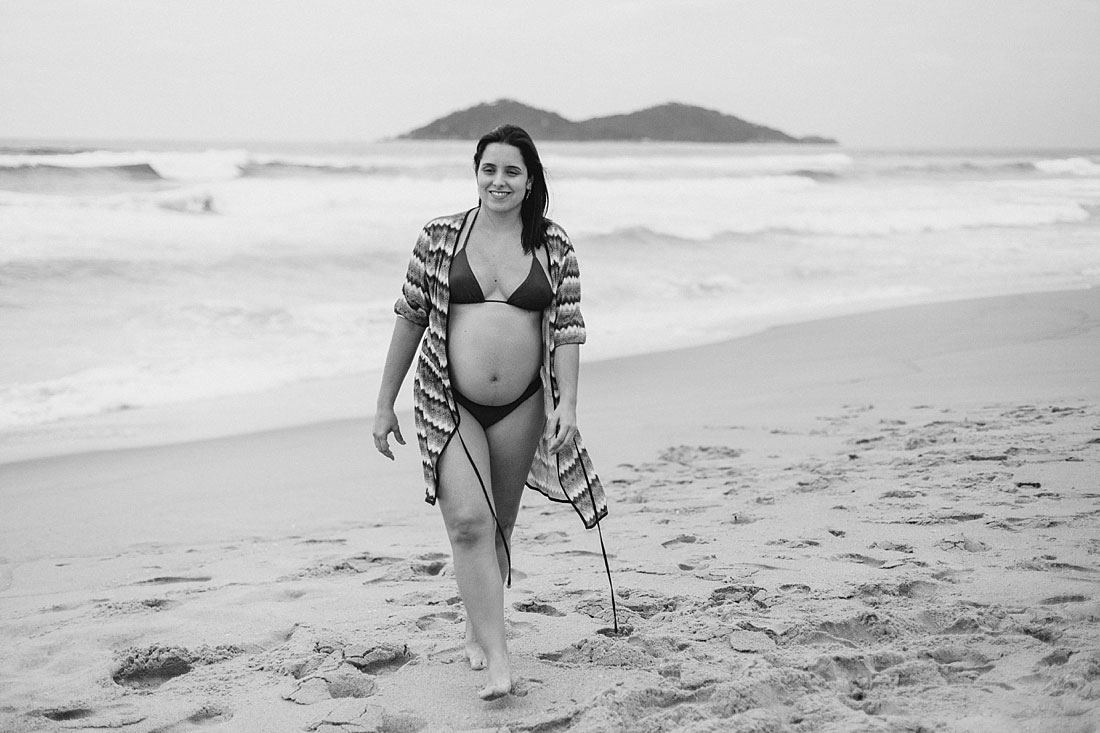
<point x="469" y="229"/>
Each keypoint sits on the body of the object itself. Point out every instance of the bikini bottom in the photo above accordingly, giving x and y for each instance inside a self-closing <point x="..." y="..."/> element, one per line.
<point x="489" y="415"/>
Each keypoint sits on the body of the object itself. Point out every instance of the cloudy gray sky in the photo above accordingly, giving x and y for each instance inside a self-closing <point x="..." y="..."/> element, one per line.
<point x="870" y="72"/>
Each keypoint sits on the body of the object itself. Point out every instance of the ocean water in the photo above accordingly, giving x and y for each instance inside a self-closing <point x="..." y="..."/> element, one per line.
<point x="138" y="275"/>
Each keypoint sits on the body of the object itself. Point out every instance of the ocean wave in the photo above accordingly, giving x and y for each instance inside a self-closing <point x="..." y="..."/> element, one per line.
<point x="137" y="171"/>
<point x="843" y="223"/>
<point x="1077" y="166"/>
<point x="187" y="200"/>
<point x="965" y="166"/>
<point x="54" y="180"/>
<point x="1074" y="166"/>
<point x="206" y="350"/>
<point x="276" y="169"/>
<point x="700" y="210"/>
<point x="43" y="150"/>
<point x="108" y="389"/>
<point x="208" y="165"/>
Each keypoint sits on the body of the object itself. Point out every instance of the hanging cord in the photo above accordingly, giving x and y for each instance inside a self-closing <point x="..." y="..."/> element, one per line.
<point x="599" y="531"/>
<point x="500" y="529"/>
<point x="607" y="567"/>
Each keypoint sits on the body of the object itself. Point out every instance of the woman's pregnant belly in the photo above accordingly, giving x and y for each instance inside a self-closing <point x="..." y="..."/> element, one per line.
<point x="494" y="350"/>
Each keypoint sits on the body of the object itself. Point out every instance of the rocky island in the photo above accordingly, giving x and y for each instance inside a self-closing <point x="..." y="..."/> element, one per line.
<point x="671" y="122"/>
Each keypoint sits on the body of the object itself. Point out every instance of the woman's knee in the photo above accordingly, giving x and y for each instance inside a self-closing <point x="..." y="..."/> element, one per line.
<point x="470" y="528"/>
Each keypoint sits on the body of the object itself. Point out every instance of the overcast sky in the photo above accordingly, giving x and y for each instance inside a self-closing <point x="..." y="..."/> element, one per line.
<point x="869" y="72"/>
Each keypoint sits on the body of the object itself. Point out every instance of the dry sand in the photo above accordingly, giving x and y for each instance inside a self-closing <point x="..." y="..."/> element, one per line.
<point x="883" y="522"/>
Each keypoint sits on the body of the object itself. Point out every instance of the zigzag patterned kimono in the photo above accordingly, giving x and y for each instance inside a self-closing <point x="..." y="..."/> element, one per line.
<point x="425" y="299"/>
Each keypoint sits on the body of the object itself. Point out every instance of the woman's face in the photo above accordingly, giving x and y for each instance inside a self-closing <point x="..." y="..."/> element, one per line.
<point x="502" y="180"/>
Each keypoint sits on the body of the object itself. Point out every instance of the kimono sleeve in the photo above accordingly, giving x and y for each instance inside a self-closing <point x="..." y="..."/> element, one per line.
<point x="414" y="304"/>
<point x="569" y="323"/>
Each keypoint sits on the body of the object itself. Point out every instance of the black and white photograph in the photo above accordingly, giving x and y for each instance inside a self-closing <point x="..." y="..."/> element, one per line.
<point x="550" y="367"/>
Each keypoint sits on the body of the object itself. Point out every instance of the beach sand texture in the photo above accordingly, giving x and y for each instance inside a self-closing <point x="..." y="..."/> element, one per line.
<point x="881" y="522"/>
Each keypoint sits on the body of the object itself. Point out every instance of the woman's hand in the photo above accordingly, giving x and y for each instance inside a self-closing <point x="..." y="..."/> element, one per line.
<point x="561" y="426"/>
<point x="385" y="422"/>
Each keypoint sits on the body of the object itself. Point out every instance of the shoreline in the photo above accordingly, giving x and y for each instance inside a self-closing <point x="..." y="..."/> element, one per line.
<point x="311" y="402"/>
<point x="876" y="522"/>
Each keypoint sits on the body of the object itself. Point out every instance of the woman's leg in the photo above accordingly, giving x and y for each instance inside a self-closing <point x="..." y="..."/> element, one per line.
<point x="476" y="541"/>
<point x="512" y="443"/>
<point x="472" y="532"/>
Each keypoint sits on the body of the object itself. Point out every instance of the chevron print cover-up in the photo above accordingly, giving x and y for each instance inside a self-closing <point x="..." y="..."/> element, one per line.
<point x="425" y="299"/>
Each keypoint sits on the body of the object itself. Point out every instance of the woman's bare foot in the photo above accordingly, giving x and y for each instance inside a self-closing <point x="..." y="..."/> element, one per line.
<point x="500" y="683"/>
<point x="474" y="653"/>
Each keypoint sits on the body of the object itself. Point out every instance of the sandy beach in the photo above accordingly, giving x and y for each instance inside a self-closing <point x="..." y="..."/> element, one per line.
<point x="879" y="522"/>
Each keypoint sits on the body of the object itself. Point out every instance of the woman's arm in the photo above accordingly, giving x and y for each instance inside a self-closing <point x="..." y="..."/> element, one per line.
<point x="561" y="426"/>
<point x="406" y="337"/>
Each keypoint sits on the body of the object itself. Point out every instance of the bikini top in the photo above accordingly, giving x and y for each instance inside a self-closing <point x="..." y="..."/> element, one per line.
<point x="533" y="294"/>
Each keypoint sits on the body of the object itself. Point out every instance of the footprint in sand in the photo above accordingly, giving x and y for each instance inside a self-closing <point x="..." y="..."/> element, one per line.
<point x="377" y="658"/>
<point x="144" y="605"/>
<point x="684" y="539"/>
<point x="854" y="631"/>
<point x="794" y="588"/>
<point x="863" y="559"/>
<point x="738" y="593"/>
<point x="584" y="553"/>
<point x="648" y="603"/>
<point x="431" y="563"/>
<point x="364" y="562"/>
<point x="525" y="686"/>
<point x="438" y="620"/>
<point x="533" y="606"/>
<point x="514" y="629"/>
<point x="897" y="588"/>
<point x="966" y="668"/>
<point x="940" y="518"/>
<point x="793" y="544"/>
<point x="900" y="494"/>
<point x="962" y="542"/>
<point x="108" y="716"/>
<point x="690" y="454"/>
<point x="1046" y="563"/>
<point x="892" y="546"/>
<point x="1056" y="600"/>
<point x="147" y="668"/>
<point x="699" y="562"/>
<point x="605" y="652"/>
<point x="951" y="575"/>
<point x="152" y="673"/>
<point x="171" y="579"/>
<point x="199" y="719"/>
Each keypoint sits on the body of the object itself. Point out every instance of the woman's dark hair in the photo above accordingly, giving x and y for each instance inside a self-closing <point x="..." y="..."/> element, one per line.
<point x="533" y="210"/>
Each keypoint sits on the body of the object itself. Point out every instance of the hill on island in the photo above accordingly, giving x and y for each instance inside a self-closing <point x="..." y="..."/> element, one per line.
<point x="673" y="122"/>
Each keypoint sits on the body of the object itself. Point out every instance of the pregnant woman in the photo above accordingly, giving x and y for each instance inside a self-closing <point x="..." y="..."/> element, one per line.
<point x="497" y="290"/>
